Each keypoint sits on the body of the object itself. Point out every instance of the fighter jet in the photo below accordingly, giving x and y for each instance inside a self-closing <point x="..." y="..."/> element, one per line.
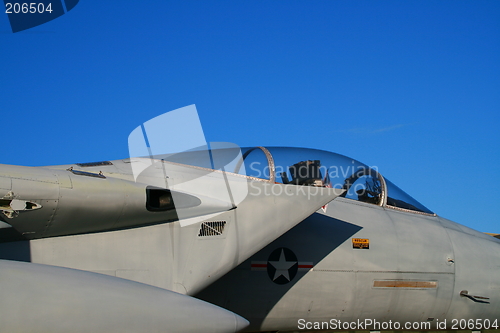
<point x="372" y="259"/>
<point x="253" y="233"/>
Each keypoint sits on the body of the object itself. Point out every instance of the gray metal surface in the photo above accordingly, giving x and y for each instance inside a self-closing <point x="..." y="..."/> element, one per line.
<point x="176" y="258"/>
<point x="41" y="298"/>
<point x="414" y="271"/>
<point x="105" y="225"/>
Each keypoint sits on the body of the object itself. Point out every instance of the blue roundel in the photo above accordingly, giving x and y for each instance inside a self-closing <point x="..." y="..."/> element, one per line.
<point x="282" y="265"/>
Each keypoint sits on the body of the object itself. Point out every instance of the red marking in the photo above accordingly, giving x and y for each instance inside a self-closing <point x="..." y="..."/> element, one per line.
<point x="264" y="265"/>
<point x="259" y="265"/>
<point x="328" y="185"/>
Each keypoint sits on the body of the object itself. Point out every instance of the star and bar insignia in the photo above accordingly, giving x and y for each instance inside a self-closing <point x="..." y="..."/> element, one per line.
<point x="281" y="266"/>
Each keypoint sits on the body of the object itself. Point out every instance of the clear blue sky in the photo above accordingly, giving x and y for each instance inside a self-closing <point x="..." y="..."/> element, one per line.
<point x="409" y="86"/>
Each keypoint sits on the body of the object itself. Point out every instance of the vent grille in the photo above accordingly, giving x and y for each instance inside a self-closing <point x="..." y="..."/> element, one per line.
<point x="215" y="228"/>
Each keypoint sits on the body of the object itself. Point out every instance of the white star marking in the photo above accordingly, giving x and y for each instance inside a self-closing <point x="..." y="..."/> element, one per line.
<point x="282" y="266"/>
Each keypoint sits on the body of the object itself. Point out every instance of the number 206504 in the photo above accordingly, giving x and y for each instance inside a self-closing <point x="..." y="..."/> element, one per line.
<point x="471" y="324"/>
<point x="25" y="8"/>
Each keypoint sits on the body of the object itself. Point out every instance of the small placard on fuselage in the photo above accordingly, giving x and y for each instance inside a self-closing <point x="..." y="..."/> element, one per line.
<point x="360" y="243"/>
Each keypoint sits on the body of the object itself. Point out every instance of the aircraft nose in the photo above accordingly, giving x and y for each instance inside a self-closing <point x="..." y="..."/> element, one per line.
<point x="211" y="318"/>
<point x="241" y="323"/>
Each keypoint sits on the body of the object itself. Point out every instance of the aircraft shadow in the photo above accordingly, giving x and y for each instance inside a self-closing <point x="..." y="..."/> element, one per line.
<point x="13" y="246"/>
<point x="253" y="294"/>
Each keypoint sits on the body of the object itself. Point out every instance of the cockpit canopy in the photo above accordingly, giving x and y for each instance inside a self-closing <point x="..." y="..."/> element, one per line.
<point x="303" y="167"/>
<point x="311" y="167"/>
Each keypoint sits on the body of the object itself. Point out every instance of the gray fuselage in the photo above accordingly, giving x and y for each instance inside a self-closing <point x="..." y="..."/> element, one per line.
<point x="414" y="270"/>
